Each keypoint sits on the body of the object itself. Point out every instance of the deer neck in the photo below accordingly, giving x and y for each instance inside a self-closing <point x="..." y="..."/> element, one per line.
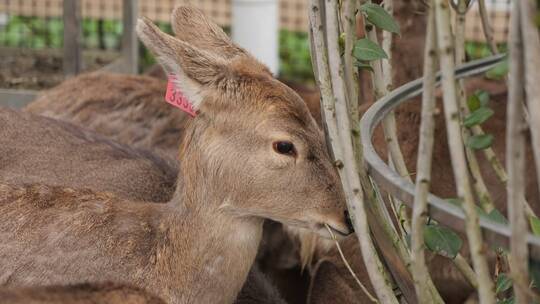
<point x="213" y="250"/>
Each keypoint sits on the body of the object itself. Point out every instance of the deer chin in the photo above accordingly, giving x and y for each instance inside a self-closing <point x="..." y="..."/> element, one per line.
<point x="315" y="224"/>
<point x="339" y="230"/>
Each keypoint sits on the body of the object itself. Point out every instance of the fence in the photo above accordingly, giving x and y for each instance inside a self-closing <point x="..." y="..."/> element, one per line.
<point x="82" y="17"/>
<point x="499" y="15"/>
<point x="293" y="13"/>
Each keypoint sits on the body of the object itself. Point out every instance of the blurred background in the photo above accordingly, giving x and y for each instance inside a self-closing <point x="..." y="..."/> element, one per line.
<point x="32" y="34"/>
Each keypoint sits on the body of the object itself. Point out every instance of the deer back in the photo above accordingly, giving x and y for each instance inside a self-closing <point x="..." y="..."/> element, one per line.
<point x="126" y="108"/>
<point x="35" y="149"/>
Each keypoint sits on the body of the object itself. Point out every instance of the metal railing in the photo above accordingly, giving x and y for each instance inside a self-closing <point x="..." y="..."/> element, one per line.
<point x="446" y="213"/>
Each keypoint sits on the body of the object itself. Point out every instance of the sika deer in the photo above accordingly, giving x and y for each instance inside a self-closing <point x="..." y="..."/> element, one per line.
<point x="41" y="150"/>
<point x="121" y="110"/>
<point x="252" y="152"/>
<point x="121" y="107"/>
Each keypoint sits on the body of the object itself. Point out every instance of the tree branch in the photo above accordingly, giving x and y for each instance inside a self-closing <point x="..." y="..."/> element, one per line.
<point x="331" y="84"/>
<point x="515" y="162"/>
<point x="455" y="143"/>
<point x="423" y="165"/>
<point x="531" y="50"/>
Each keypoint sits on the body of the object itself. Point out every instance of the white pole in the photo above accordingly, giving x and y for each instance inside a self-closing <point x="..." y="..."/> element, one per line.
<point x="255" y="28"/>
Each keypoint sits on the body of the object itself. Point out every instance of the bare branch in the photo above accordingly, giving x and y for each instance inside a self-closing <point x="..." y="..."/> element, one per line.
<point x="515" y="162"/>
<point x="332" y="84"/>
<point x="486" y="26"/>
<point x="351" y="72"/>
<point x="479" y="185"/>
<point x="531" y="50"/>
<point x="350" y="170"/>
<point x="423" y="165"/>
<point x="455" y="143"/>
<point x="382" y="83"/>
<point x="466" y="270"/>
<point x="477" y="130"/>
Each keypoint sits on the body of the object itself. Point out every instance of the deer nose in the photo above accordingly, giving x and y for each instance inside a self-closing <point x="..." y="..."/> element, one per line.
<point x="340" y="225"/>
<point x="348" y="221"/>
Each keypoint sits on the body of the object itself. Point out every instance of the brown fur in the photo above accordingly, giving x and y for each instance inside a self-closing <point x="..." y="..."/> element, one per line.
<point x="258" y="290"/>
<point x="128" y="109"/>
<point x="218" y="205"/>
<point x="331" y="281"/>
<point x="104" y="293"/>
<point x="35" y="149"/>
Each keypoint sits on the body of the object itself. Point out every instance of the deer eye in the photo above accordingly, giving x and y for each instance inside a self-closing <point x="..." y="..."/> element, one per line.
<point x="284" y="147"/>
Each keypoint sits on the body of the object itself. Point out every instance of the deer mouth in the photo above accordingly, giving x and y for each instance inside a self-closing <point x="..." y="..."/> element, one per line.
<point x="335" y="231"/>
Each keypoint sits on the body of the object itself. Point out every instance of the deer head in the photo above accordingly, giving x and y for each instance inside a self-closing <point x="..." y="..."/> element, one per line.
<point x="253" y="150"/>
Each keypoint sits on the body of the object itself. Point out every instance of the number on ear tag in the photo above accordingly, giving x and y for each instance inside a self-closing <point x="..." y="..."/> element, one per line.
<point x="175" y="97"/>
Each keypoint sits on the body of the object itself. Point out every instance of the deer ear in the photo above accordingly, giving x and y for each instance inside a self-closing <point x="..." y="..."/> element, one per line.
<point x="196" y="71"/>
<point x="191" y="25"/>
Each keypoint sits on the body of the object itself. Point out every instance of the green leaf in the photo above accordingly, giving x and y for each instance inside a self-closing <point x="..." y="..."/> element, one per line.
<point x="379" y="17"/>
<point x="367" y="50"/>
<point x="442" y="240"/>
<point x="478" y="116"/>
<point x="499" y="71"/>
<point x="341" y="42"/>
<point x="473" y="102"/>
<point x="535" y="225"/>
<point x="496" y="216"/>
<point x="503" y="283"/>
<point x="483" y="96"/>
<point x="479" y="99"/>
<point x="479" y="142"/>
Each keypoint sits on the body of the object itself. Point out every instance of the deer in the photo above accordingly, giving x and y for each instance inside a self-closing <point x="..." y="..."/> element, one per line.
<point x="213" y="222"/>
<point x="119" y="107"/>
<point x="43" y="150"/>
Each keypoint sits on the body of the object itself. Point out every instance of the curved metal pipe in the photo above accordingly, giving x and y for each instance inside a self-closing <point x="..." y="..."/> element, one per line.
<point x="495" y="234"/>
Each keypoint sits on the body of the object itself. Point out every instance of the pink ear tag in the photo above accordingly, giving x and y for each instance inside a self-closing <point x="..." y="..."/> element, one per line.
<point x="175" y="97"/>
